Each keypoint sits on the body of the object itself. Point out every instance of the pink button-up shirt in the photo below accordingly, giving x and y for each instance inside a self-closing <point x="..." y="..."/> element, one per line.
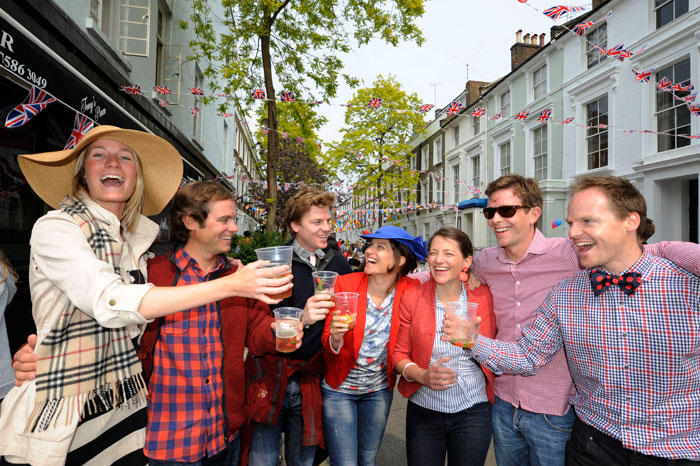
<point x="519" y="288"/>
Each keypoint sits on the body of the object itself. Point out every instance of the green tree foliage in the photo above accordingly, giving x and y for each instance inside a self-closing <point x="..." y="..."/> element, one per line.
<point x="373" y="135"/>
<point x="294" y="43"/>
<point x="244" y="248"/>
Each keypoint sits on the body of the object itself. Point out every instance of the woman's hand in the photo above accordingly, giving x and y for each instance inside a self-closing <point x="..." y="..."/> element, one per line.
<point x="437" y="377"/>
<point x="24" y="362"/>
<point x="259" y="282"/>
<point x="339" y="327"/>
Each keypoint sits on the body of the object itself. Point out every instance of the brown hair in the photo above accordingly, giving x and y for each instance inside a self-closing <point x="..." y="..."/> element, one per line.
<point x="624" y="199"/>
<point x="458" y="236"/>
<point x="194" y="200"/>
<point x="9" y="271"/>
<point x="302" y="202"/>
<point x="527" y="189"/>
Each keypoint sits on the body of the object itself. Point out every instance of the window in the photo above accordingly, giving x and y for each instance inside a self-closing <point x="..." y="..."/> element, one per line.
<point x="539" y="136"/>
<point x="597" y="39"/>
<point x="102" y="16"/>
<point x="597" y="136"/>
<point x="476" y="123"/>
<point x="134" y="24"/>
<point x="455" y="134"/>
<point x="437" y="151"/>
<point x="436" y="190"/>
<point x="673" y="116"/>
<point x="424" y="192"/>
<point x="504" y="152"/>
<point x="505" y="104"/>
<point x="424" y="163"/>
<point x="197" y="118"/>
<point x="476" y="172"/>
<point x="668" y="10"/>
<point x="224" y="152"/>
<point x="455" y="179"/>
<point x="539" y="82"/>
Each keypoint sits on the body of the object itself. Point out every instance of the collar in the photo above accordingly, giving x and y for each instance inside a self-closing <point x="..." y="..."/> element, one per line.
<point x="644" y="266"/>
<point x="304" y="254"/>
<point x="538" y="246"/>
<point x="183" y="260"/>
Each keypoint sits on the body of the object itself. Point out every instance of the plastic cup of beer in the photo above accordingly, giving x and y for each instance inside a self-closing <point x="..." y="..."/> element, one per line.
<point x="346" y="303"/>
<point x="287" y="324"/>
<point x="465" y="336"/>
<point x="324" y="282"/>
<point x="277" y="255"/>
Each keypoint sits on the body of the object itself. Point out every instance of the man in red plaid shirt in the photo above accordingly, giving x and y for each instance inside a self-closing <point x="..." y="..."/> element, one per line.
<point x="630" y="327"/>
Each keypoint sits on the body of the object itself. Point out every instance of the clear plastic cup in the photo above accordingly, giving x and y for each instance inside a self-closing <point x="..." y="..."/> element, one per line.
<point x="287" y="324"/>
<point x="277" y="255"/>
<point x="452" y="364"/>
<point x="346" y="303"/>
<point x="324" y="282"/>
<point x="464" y="335"/>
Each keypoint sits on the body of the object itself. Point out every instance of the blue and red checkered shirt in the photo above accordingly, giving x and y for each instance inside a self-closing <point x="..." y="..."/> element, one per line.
<point x="635" y="360"/>
<point x="186" y="420"/>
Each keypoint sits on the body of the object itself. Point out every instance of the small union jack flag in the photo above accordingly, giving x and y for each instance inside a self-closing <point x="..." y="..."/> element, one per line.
<point x="320" y="146"/>
<point x="479" y="112"/>
<point x="162" y="90"/>
<point x="614" y="51"/>
<point x="568" y="121"/>
<point x="196" y="90"/>
<point x="545" y="114"/>
<point x="226" y="115"/>
<point x="258" y="93"/>
<point x="375" y="102"/>
<point x="133" y="90"/>
<point x="628" y="131"/>
<point x="266" y="130"/>
<point x="36" y="101"/>
<point x="425" y="108"/>
<point x="643" y="76"/>
<point x="287" y="96"/>
<point x="694" y="136"/>
<point x="556" y="11"/>
<point x="497" y="116"/>
<point x="522" y="115"/>
<point x="284" y="135"/>
<point x="228" y="96"/>
<point x="681" y="88"/>
<point x="316" y="102"/>
<point x="602" y="126"/>
<point x="81" y="125"/>
<point x="581" y="28"/>
<point x="694" y="109"/>
<point x="163" y="103"/>
<point x="454" y="107"/>
<point x="689" y="98"/>
<point x="194" y="110"/>
<point x="664" y="84"/>
<point x="300" y="140"/>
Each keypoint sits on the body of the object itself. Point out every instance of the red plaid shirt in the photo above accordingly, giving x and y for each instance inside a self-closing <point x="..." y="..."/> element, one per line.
<point x="186" y="420"/>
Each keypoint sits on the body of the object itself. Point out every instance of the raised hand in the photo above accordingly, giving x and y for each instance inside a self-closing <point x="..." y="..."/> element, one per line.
<point x="317" y="308"/>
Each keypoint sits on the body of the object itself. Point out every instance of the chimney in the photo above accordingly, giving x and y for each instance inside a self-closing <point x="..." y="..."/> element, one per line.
<point x="519" y="36"/>
<point x="597" y="3"/>
<point x="474" y="91"/>
<point x="522" y="50"/>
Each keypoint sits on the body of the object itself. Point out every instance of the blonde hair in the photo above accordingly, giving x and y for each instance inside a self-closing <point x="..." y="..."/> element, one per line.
<point x="134" y="206"/>
<point x="9" y="271"/>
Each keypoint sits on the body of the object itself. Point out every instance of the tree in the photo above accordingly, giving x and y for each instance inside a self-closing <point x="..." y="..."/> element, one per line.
<point x="295" y="43"/>
<point x="375" y="140"/>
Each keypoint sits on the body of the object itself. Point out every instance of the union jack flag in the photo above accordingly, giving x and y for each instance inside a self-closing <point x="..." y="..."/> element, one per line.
<point x="320" y="146"/>
<point x="497" y="116"/>
<point x="284" y="135"/>
<point x="425" y="108"/>
<point x="568" y="121"/>
<point x="695" y="109"/>
<point x="614" y="51"/>
<point x="316" y="102"/>
<point x="163" y="103"/>
<point x="194" y="110"/>
<point x="81" y="125"/>
<point x="300" y="140"/>
<point x="681" y="88"/>
<point x="522" y="115"/>
<point x="266" y="130"/>
<point x="133" y="90"/>
<point x="258" y="93"/>
<point x="664" y="84"/>
<point x="602" y="126"/>
<point x="689" y="98"/>
<point x="196" y="90"/>
<point x="287" y="96"/>
<point x="225" y="114"/>
<point x="36" y="101"/>
<point x="454" y="107"/>
<point x="628" y="131"/>
<point x="643" y="76"/>
<point x="694" y="136"/>
<point x="624" y="54"/>
<point x="228" y="96"/>
<point x="162" y="90"/>
<point x="581" y="28"/>
<point x="479" y="112"/>
<point x="375" y="102"/>
<point x="556" y="11"/>
<point x="545" y="114"/>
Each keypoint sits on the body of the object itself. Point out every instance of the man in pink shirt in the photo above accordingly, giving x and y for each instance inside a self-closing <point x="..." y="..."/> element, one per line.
<point x="532" y="418"/>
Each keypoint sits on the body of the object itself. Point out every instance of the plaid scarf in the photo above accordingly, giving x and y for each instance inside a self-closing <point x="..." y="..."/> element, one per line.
<point x="83" y="367"/>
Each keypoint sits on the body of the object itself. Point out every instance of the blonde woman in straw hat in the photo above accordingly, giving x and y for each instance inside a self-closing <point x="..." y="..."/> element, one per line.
<point x="87" y="404"/>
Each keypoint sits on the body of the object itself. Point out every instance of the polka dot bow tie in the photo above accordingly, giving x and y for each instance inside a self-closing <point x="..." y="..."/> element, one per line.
<point x="628" y="282"/>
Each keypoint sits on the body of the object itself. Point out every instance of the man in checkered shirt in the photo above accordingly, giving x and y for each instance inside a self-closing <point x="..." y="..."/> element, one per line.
<point x="630" y="327"/>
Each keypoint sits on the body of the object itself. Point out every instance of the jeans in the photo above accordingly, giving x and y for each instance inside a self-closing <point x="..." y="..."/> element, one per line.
<point x="265" y="446"/>
<point x="226" y="457"/>
<point x="354" y="426"/>
<point x="465" y="436"/>
<point x="524" y="438"/>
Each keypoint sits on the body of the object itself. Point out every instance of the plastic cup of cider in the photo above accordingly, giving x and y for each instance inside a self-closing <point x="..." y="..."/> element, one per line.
<point x="466" y="313"/>
<point x="346" y="303"/>
<point x="276" y="256"/>
<point x="287" y="325"/>
<point x="324" y="282"/>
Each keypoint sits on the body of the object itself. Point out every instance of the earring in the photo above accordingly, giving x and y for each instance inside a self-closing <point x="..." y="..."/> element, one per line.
<point x="464" y="274"/>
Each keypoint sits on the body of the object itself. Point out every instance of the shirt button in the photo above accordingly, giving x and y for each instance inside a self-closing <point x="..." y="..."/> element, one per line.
<point x="626" y="366"/>
<point x="206" y="380"/>
<point x="517" y="325"/>
<point x="518" y="303"/>
<point x="518" y="282"/>
<point x="112" y="302"/>
<point x="624" y="335"/>
<point x="204" y="355"/>
<point x="208" y="410"/>
<point x="204" y="330"/>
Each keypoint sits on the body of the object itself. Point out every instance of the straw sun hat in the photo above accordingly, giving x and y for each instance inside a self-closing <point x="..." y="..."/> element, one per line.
<point x="50" y="174"/>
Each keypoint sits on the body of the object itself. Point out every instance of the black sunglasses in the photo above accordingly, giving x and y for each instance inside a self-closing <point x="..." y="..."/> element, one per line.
<point x="505" y="211"/>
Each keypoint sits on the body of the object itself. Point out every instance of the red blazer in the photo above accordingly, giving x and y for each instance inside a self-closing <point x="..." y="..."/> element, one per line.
<point x="336" y="367"/>
<point x="417" y="330"/>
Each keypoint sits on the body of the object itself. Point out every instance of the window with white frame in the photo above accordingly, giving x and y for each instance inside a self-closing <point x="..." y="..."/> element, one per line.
<point x="539" y="152"/>
<point x="197" y="118"/>
<point x="504" y="106"/>
<point x="424" y="162"/>
<point x="504" y="155"/>
<point x="455" y="181"/>
<point x="597" y="133"/>
<point x="224" y="153"/>
<point x="596" y="45"/>
<point x="134" y="27"/>
<point x="424" y="192"/>
<point x="455" y="135"/>
<point x="673" y="116"/>
<point x="436" y="189"/>
<point x="668" y="10"/>
<point x="102" y="14"/>
<point x="476" y="124"/>
<point x="539" y="82"/>
<point x="476" y="172"/>
<point x="437" y="150"/>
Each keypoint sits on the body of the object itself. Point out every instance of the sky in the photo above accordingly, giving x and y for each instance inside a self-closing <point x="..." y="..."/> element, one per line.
<point x="457" y="32"/>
